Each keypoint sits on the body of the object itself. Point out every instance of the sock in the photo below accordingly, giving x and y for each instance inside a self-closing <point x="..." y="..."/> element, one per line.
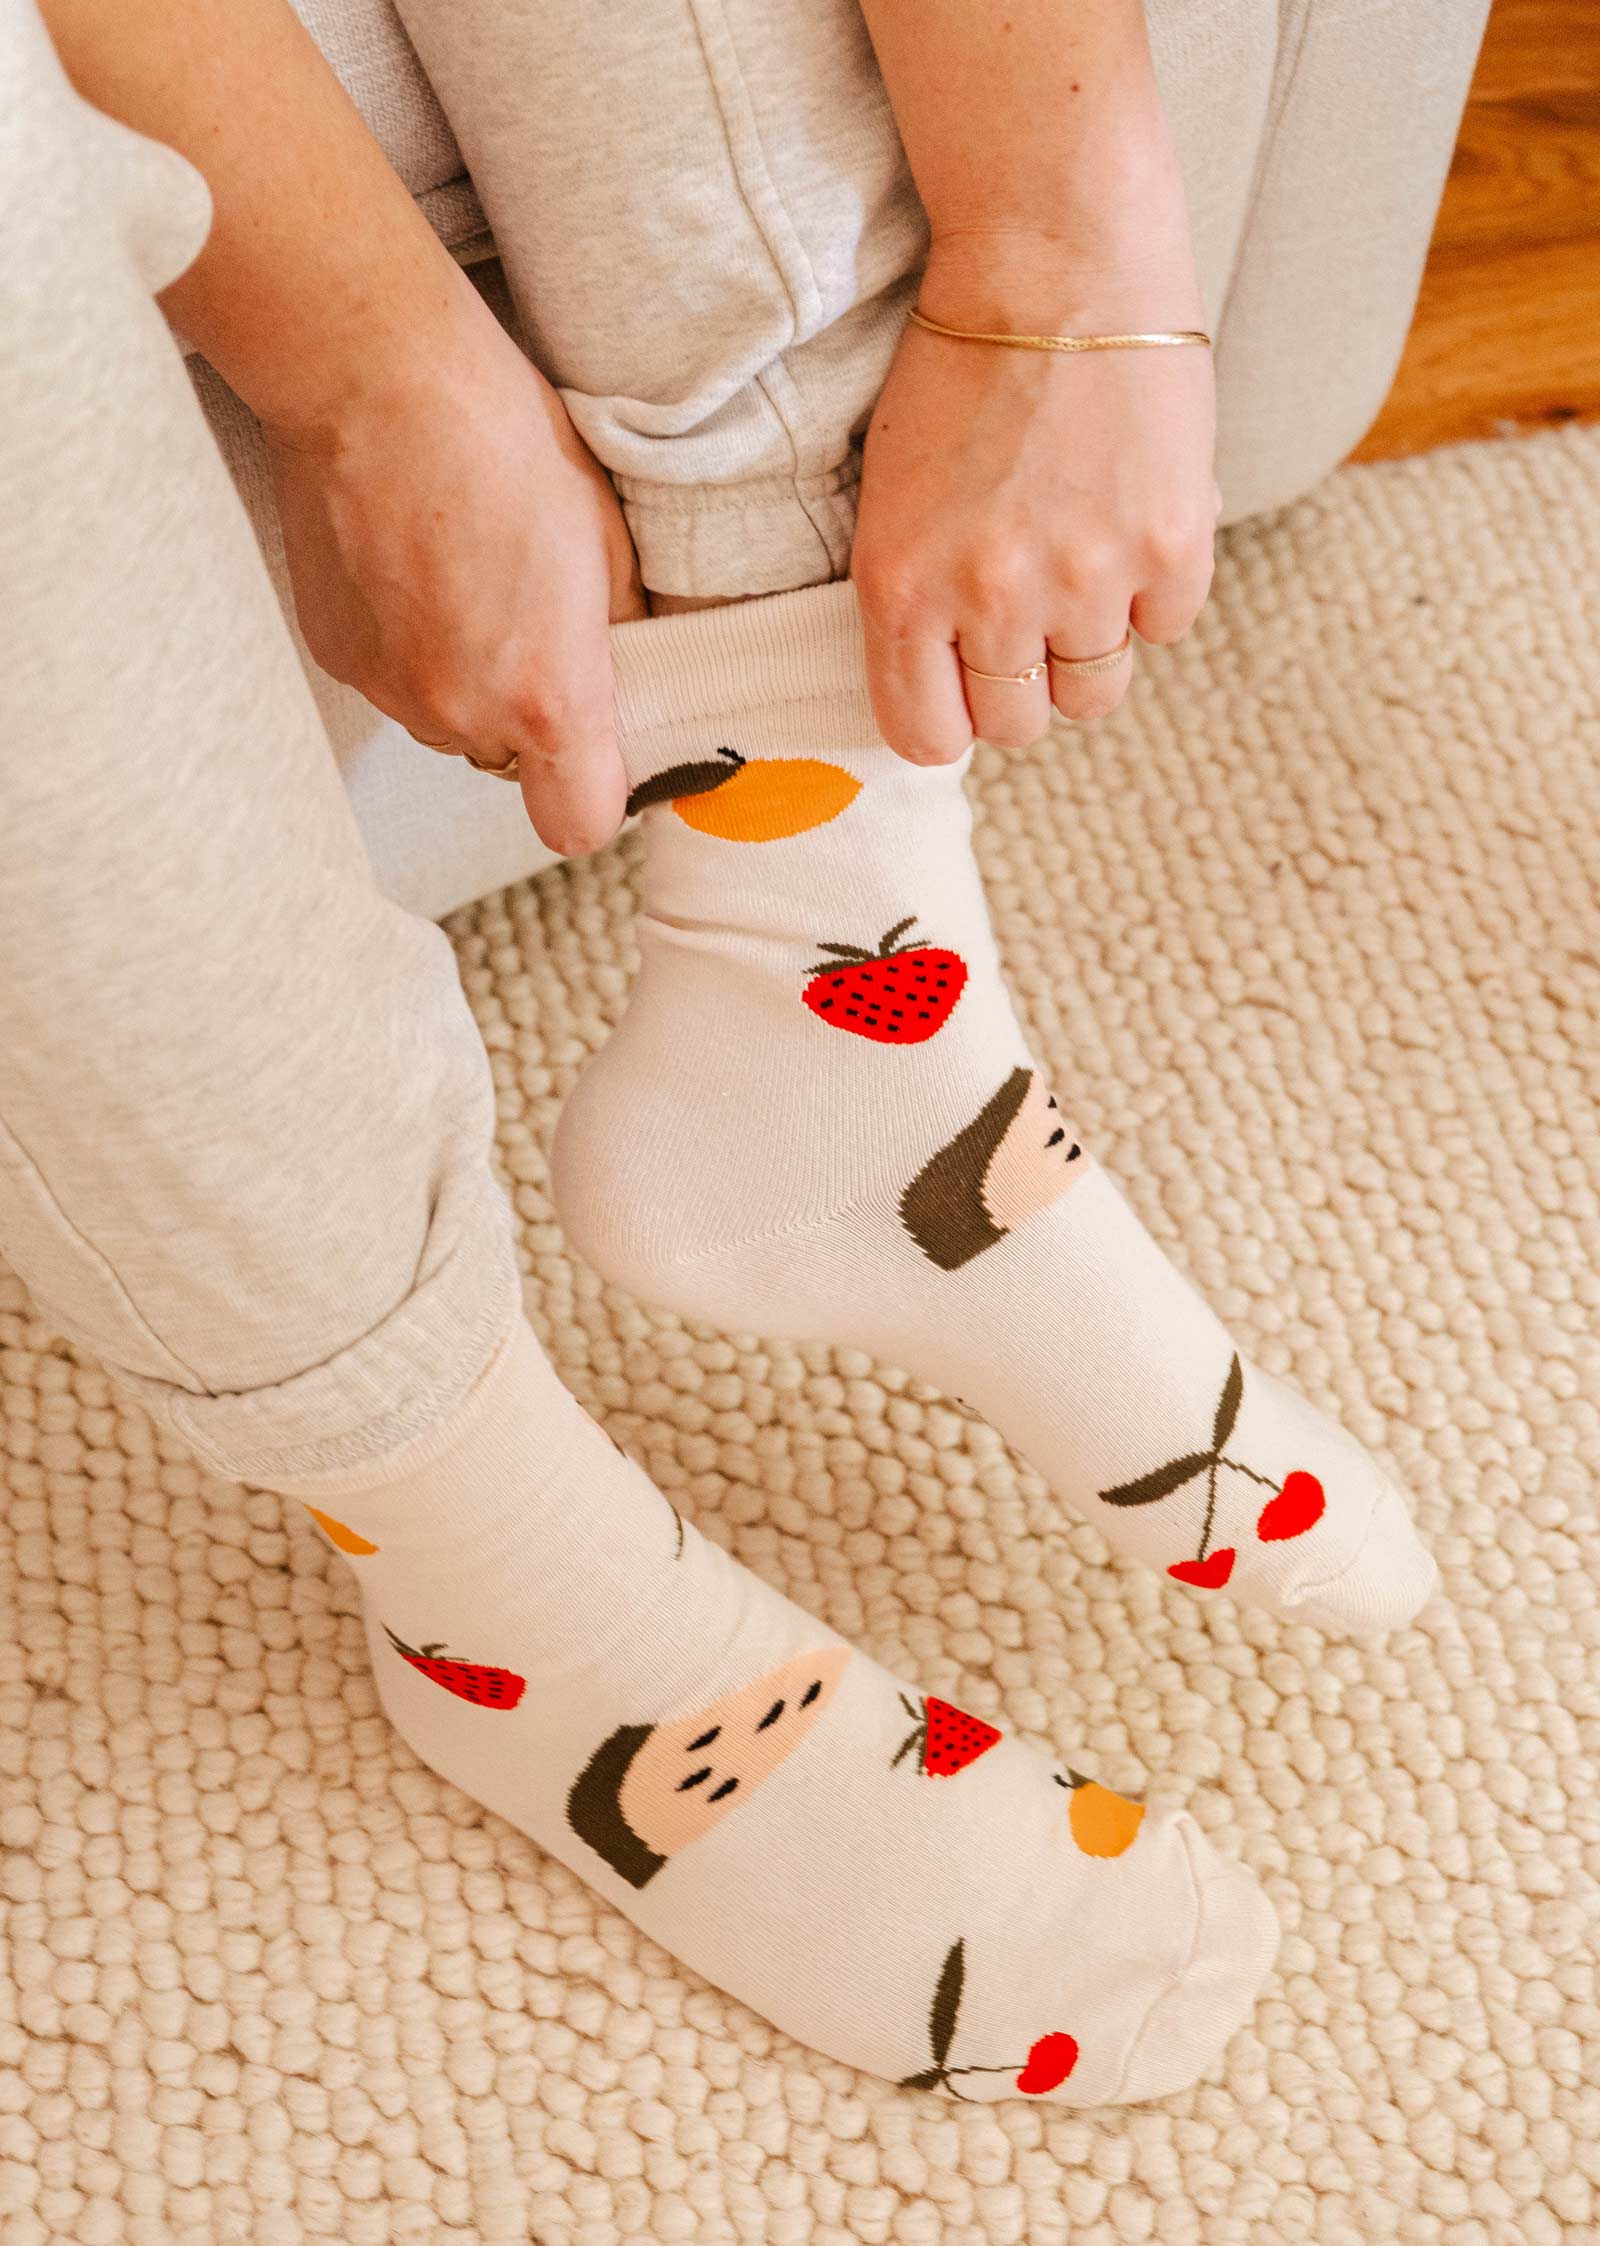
<point x="885" y="1877"/>
<point x="818" y="1121"/>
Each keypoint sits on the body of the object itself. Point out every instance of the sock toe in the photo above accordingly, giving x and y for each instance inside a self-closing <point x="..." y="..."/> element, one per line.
<point x="1235" y="1945"/>
<point x="1384" y="1585"/>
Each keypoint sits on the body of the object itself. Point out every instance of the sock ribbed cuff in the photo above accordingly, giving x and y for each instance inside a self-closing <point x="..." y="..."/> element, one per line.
<point x="742" y="664"/>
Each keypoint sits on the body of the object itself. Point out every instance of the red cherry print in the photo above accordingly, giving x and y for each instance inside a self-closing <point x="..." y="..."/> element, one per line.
<point x="1209" y="1574"/>
<point x="1050" y="2061"/>
<point x="1298" y="1506"/>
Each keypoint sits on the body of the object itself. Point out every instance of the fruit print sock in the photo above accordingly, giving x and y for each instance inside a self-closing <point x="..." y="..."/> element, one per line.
<point x="885" y="1877"/>
<point x="818" y="1120"/>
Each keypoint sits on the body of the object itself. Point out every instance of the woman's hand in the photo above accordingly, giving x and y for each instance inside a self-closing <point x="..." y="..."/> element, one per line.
<point x="456" y="552"/>
<point x="1014" y="502"/>
<point x="457" y="555"/>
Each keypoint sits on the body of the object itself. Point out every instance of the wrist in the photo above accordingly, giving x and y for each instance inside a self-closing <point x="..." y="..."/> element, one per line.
<point x="1117" y="251"/>
<point x="389" y="354"/>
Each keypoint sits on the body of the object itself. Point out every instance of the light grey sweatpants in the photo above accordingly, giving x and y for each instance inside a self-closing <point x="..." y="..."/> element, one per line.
<point x="244" y="1113"/>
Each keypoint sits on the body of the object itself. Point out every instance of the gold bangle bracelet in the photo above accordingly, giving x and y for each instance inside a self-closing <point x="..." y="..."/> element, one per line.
<point x="1154" y="341"/>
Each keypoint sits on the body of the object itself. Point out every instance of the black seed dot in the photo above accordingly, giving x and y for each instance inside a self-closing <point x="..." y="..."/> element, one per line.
<point x="825" y="1006"/>
<point x="771" y="1716"/>
<point x="1055" y="1138"/>
<point x="704" y="1740"/>
<point x="724" y="1790"/>
<point x="810" y="1693"/>
<point x="695" y="1778"/>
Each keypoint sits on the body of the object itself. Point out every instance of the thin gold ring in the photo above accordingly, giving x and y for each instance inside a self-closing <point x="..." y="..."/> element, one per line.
<point x="1085" y="666"/>
<point x="506" y="771"/>
<point x="448" y="747"/>
<point x="1004" y="678"/>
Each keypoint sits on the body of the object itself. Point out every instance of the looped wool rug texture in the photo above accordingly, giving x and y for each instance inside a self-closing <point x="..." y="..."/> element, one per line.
<point x="1309" y="937"/>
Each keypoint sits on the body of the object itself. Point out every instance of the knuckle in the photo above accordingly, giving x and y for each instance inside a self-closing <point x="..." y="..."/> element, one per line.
<point x="548" y="716"/>
<point x="998" y="583"/>
<point x="891" y="591"/>
<point x="1176" y="542"/>
<point x="1089" y="563"/>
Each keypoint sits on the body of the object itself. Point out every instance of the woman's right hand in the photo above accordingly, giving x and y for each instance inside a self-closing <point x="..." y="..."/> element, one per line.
<point x="457" y="554"/>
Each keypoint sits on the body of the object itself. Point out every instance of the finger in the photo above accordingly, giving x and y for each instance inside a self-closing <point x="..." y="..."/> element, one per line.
<point x="1008" y="709"/>
<point x="1163" y="609"/>
<point x="1090" y="633"/>
<point x="563" y="730"/>
<point x="915" y="684"/>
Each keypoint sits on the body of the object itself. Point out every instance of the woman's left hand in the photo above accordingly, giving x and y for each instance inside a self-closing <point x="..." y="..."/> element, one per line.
<point x="1016" y="502"/>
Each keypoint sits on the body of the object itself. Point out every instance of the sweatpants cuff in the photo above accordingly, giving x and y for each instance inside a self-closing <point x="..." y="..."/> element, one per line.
<point x="764" y="535"/>
<point x="353" y="1412"/>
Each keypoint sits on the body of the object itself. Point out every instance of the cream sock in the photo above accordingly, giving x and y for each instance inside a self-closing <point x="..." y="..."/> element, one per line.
<point x="818" y="1120"/>
<point x="888" y="1879"/>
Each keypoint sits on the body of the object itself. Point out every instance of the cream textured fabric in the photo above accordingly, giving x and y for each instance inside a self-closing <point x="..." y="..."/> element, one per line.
<point x="1312" y="921"/>
<point x="820" y="1121"/>
<point x="876" y="1871"/>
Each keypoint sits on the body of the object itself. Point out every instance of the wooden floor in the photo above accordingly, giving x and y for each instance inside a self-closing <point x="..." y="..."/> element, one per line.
<point x="1507" y="329"/>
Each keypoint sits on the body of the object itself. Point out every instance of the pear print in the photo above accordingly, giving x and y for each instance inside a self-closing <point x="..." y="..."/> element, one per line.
<point x="1294" y="1507"/>
<point x="739" y="799"/>
<point x="1051" y="2058"/>
<point x="651" y="1789"/>
<point x="1008" y="1164"/>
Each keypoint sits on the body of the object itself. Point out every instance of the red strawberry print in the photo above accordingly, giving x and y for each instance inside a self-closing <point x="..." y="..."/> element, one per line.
<point x="1298" y="1506"/>
<point x="472" y="1681"/>
<point x="948" y="1737"/>
<point x="900" y="994"/>
<point x="1049" y="2062"/>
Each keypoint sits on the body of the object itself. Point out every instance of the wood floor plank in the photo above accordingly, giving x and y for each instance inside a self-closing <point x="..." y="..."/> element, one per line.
<point x="1507" y="326"/>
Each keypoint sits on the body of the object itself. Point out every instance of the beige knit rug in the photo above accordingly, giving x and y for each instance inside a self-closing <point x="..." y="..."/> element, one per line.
<point x="1310" y="937"/>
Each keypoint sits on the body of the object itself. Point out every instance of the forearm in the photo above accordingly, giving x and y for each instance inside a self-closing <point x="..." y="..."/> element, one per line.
<point x="319" y="273"/>
<point x="1036" y="135"/>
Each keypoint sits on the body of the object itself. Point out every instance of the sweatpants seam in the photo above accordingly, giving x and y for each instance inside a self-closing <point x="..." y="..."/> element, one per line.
<point x="717" y="48"/>
<point x="1284" y="79"/>
<point x="25" y="1165"/>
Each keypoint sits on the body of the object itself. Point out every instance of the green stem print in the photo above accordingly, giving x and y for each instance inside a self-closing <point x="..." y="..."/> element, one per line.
<point x="1296" y="1505"/>
<point x="1051" y="2058"/>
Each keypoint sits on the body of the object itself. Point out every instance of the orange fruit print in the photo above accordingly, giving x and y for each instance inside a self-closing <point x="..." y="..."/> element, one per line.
<point x="739" y="799"/>
<point x="1102" y="1823"/>
<point x="337" y="1534"/>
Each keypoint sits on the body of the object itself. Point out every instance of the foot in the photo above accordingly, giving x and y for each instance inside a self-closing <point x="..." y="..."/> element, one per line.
<point x="887" y="1878"/>
<point x="819" y="1121"/>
